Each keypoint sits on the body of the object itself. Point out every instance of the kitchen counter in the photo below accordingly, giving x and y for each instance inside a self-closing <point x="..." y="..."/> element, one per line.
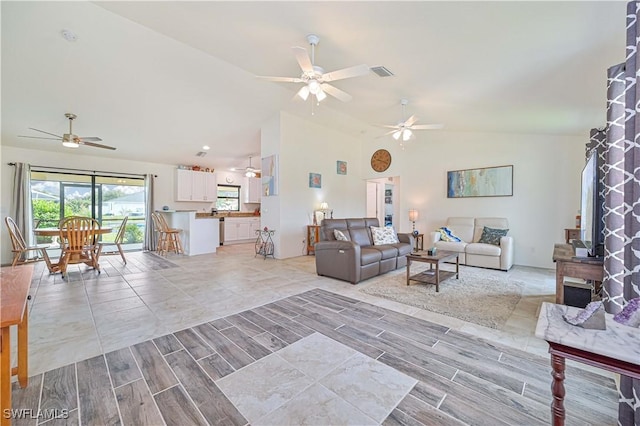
<point x="198" y="236"/>
<point x="200" y="215"/>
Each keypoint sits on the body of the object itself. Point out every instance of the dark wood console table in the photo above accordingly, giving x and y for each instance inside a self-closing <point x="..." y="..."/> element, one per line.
<point x="567" y="265"/>
<point x="614" y="349"/>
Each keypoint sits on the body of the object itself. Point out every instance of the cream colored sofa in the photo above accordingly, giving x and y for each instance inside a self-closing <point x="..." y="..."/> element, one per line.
<point x="473" y="253"/>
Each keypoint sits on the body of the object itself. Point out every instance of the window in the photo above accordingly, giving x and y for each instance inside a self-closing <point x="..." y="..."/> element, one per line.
<point x="55" y="195"/>
<point x="228" y="198"/>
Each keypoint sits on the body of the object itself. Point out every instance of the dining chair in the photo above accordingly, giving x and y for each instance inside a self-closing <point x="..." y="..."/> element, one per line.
<point x="168" y="238"/>
<point x="117" y="243"/>
<point x="78" y="239"/>
<point x="20" y="247"/>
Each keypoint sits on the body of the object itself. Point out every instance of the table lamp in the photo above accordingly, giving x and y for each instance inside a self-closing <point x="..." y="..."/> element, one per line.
<point x="413" y="216"/>
<point x="324" y="206"/>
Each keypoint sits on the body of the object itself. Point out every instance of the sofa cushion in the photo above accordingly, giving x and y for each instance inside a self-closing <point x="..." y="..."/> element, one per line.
<point x="462" y="227"/>
<point x="483" y="249"/>
<point x="403" y="248"/>
<point x="383" y="236"/>
<point x="369" y="255"/>
<point x="447" y="234"/>
<point x="387" y="250"/>
<point x="360" y="236"/>
<point x="341" y="236"/>
<point x="492" y="235"/>
<point x="458" y="247"/>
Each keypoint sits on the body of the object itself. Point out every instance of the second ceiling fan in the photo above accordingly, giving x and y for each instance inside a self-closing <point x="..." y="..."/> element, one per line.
<point x="404" y="129"/>
<point x="315" y="79"/>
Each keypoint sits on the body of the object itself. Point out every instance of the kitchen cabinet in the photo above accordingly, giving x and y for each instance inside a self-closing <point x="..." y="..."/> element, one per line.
<point x="196" y="186"/>
<point x="252" y="190"/>
<point x="240" y="228"/>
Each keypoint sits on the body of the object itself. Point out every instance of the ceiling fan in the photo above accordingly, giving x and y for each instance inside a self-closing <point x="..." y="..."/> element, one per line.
<point x="316" y="81"/>
<point x="406" y="127"/>
<point x="69" y="139"/>
<point x="250" y="171"/>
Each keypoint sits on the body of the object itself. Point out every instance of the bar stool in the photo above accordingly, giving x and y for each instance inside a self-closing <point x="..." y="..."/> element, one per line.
<point x="168" y="238"/>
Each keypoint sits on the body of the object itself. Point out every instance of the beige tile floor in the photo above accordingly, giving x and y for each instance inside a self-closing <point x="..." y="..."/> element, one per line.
<point x="90" y="314"/>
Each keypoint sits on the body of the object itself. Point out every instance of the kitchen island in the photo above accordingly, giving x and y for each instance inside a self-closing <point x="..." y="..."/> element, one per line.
<point x="200" y="234"/>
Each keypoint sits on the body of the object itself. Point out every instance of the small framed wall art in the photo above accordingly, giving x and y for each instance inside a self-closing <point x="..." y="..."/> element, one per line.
<point x="341" y="167"/>
<point x="315" y="180"/>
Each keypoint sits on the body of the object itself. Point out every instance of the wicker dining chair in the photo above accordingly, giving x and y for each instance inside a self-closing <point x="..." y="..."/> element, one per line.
<point x="79" y="244"/>
<point x="20" y="248"/>
<point x="117" y="243"/>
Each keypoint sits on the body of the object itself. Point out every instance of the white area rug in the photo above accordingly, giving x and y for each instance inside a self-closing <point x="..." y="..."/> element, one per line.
<point x="480" y="296"/>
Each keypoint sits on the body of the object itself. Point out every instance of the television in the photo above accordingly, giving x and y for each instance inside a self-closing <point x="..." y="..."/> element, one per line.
<point x="592" y="207"/>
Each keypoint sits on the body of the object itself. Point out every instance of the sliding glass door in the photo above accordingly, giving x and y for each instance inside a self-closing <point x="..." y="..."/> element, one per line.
<point x="108" y="199"/>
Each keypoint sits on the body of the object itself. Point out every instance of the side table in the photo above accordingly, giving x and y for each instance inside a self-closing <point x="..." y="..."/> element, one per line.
<point x="313" y="236"/>
<point x="419" y="242"/>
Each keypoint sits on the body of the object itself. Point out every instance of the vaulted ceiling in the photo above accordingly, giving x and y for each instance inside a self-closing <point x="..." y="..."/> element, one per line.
<point x="158" y="80"/>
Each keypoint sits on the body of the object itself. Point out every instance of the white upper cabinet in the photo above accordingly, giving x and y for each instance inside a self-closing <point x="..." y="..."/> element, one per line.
<point x="196" y="186"/>
<point x="252" y="189"/>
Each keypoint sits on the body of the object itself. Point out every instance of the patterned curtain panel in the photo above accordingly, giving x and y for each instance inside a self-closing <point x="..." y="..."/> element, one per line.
<point x="21" y="210"/>
<point x="622" y="198"/>
<point x="149" y="234"/>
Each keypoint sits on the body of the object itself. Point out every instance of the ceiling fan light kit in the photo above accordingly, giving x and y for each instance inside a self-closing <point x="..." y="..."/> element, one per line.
<point x="250" y="171"/>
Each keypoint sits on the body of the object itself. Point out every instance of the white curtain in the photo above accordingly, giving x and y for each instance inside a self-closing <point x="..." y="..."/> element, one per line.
<point x="149" y="235"/>
<point x="21" y="209"/>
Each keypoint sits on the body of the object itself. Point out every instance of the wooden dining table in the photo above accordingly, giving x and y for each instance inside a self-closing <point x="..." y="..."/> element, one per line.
<point x="55" y="232"/>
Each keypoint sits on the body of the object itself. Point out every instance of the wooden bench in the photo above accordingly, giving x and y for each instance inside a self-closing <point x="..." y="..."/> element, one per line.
<point x="15" y="283"/>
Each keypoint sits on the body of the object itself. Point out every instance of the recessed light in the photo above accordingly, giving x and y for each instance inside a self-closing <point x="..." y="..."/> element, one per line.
<point x="206" y="147"/>
<point x="69" y="35"/>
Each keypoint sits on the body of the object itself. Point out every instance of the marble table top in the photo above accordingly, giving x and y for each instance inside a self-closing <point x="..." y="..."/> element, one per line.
<point x="618" y="341"/>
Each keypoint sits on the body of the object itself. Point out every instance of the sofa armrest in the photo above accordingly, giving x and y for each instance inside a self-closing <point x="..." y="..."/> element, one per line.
<point x="338" y="259"/>
<point x="506" y="253"/>
<point x="407" y="238"/>
<point x="434" y="237"/>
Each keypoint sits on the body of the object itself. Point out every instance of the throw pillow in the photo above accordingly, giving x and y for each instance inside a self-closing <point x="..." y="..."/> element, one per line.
<point x="492" y="235"/>
<point x="383" y="236"/>
<point x="341" y="236"/>
<point x="447" y="235"/>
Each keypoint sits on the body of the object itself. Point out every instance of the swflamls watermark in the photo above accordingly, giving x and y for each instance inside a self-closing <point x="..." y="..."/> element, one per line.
<point x="28" y="413"/>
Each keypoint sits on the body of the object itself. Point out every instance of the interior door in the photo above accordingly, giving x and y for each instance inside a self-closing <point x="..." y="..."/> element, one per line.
<point x="372" y="200"/>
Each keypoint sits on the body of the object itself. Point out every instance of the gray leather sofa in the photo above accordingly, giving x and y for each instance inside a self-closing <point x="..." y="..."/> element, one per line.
<point x="358" y="259"/>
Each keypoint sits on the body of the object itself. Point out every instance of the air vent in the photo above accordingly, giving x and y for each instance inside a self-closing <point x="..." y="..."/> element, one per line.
<point x="201" y="154"/>
<point x="382" y="71"/>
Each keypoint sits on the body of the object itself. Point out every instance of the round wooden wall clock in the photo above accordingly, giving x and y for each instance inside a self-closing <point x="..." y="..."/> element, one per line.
<point x="380" y="160"/>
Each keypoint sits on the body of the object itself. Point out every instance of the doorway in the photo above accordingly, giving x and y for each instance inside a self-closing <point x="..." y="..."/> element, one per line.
<point x="382" y="200"/>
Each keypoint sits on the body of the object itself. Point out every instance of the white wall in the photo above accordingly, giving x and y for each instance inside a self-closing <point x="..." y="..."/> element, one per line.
<point x="305" y="147"/>
<point x="546" y="187"/>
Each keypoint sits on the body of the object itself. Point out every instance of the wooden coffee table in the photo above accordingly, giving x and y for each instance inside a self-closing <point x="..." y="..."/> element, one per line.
<point x="433" y="275"/>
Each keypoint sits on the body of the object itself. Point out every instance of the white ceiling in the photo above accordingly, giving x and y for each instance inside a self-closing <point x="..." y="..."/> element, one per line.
<point x="158" y="80"/>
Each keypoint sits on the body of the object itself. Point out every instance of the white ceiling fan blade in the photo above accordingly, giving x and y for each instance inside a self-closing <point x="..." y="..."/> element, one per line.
<point x="354" y="71"/>
<point x="410" y="121"/>
<point x="427" y="126"/>
<point x="335" y="92"/>
<point x="387" y="134"/>
<point x="281" y="79"/>
<point x="303" y="59"/>
<point x="42" y="131"/>
<point x="39" y="137"/>
<point x="387" y="126"/>
<point x="95" y="145"/>
<point x="91" y="138"/>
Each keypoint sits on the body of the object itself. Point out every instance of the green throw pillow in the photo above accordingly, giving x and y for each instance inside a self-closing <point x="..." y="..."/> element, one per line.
<point x="492" y="235"/>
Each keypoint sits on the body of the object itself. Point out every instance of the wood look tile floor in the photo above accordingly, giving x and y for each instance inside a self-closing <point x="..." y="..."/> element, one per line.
<point x="235" y="339"/>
